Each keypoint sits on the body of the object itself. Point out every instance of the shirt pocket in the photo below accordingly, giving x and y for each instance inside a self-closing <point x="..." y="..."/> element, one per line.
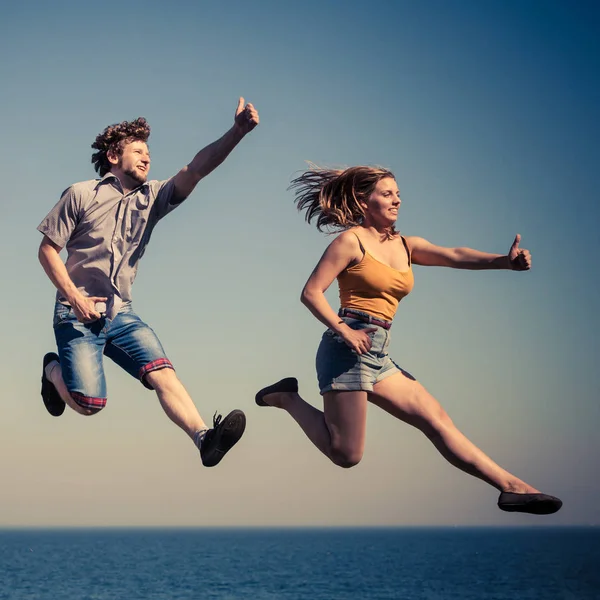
<point x="136" y="225"/>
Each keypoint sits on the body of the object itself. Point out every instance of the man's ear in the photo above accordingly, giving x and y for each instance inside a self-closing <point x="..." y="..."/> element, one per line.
<point x="112" y="157"/>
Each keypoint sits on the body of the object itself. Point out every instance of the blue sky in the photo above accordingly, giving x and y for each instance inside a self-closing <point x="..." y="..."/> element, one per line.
<point x="488" y="114"/>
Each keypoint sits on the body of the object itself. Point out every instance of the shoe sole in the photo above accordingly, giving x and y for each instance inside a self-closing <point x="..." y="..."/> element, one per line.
<point x="232" y="429"/>
<point x="534" y="508"/>
<point x="55" y="407"/>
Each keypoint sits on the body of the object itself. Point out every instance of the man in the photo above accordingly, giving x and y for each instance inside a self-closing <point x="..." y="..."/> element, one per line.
<point x="106" y="225"/>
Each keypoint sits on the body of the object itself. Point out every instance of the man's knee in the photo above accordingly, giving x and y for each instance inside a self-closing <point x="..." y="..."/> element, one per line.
<point x="88" y="405"/>
<point x="157" y="374"/>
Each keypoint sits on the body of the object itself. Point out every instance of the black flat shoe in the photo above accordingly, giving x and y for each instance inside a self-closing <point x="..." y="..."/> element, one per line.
<point x="225" y="434"/>
<point x="54" y="404"/>
<point x="534" y="504"/>
<point x="289" y="384"/>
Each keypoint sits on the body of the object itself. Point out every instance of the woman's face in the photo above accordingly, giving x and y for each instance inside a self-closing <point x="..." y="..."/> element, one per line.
<point x="384" y="202"/>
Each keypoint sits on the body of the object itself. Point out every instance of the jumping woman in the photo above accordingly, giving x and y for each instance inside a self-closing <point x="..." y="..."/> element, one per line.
<point x="373" y="265"/>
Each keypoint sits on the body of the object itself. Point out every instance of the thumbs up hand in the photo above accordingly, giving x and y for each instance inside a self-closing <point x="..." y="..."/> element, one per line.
<point x="246" y="117"/>
<point x="519" y="258"/>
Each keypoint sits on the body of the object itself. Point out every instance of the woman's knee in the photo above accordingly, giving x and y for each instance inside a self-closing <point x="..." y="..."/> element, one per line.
<point x="437" y="422"/>
<point x="345" y="459"/>
<point x="345" y="455"/>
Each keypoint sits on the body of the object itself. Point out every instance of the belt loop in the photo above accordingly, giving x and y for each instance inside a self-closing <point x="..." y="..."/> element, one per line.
<point x="370" y="321"/>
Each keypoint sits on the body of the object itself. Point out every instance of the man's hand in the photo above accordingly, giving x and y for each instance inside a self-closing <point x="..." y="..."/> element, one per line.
<point x="84" y="308"/>
<point x="519" y="258"/>
<point x="246" y="117"/>
<point x="211" y="156"/>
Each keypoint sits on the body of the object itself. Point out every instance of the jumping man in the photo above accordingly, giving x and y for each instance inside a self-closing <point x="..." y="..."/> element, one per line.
<point x="105" y="225"/>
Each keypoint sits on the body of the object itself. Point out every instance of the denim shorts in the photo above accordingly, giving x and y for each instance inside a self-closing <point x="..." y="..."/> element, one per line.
<point x="339" y="368"/>
<point x="126" y="339"/>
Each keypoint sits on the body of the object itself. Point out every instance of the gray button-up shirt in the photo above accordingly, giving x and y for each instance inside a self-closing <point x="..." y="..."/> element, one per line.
<point x="106" y="233"/>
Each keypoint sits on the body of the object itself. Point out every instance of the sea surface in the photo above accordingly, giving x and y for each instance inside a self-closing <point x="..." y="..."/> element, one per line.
<point x="317" y="564"/>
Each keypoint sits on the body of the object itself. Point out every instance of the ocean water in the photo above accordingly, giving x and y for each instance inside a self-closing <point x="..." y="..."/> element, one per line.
<point x="317" y="564"/>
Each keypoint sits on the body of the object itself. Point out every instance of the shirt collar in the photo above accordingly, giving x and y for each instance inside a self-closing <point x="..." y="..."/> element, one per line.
<point x="111" y="178"/>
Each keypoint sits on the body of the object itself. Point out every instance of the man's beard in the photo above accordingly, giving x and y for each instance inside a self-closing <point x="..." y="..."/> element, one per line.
<point x="136" y="175"/>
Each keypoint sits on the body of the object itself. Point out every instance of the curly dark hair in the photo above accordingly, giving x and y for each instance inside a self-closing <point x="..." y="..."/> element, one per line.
<point x="333" y="196"/>
<point x="113" y="138"/>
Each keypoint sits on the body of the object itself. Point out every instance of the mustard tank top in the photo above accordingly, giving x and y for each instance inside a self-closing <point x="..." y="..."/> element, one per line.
<point x="374" y="287"/>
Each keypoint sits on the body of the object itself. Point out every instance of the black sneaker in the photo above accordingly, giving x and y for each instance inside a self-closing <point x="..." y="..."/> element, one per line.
<point x="54" y="404"/>
<point x="222" y="437"/>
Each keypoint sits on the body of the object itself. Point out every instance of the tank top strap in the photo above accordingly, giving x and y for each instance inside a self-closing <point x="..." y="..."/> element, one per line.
<point x="362" y="248"/>
<point x="407" y="250"/>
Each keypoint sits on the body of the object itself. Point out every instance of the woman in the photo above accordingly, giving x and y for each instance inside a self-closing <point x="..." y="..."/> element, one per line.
<point x="373" y="265"/>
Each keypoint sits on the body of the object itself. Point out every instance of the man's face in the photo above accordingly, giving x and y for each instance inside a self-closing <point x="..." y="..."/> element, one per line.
<point x="135" y="161"/>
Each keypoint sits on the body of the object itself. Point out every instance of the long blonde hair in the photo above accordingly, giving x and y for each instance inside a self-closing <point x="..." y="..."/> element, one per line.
<point x="334" y="196"/>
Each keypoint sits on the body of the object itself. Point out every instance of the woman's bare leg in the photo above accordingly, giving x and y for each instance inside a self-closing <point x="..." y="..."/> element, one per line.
<point x="339" y="431"/>
<point x="407" y="400"/>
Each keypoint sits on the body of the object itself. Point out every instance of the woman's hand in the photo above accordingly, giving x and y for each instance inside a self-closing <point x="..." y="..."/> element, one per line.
<point x="357" y="339"/>
<point x="519" y="258"/>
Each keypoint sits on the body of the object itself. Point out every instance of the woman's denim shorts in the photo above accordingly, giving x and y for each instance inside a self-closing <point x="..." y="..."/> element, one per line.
<point x="339" y="368"/>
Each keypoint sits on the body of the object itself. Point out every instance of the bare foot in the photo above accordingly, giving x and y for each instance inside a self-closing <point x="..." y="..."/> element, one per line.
<point x="520" y="487"/>
<point x="279" y="399"/>
<point x="278" y="393"/>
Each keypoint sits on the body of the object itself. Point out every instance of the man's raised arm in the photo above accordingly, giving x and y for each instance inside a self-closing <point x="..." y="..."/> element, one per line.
<point x="210" y="157"/>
